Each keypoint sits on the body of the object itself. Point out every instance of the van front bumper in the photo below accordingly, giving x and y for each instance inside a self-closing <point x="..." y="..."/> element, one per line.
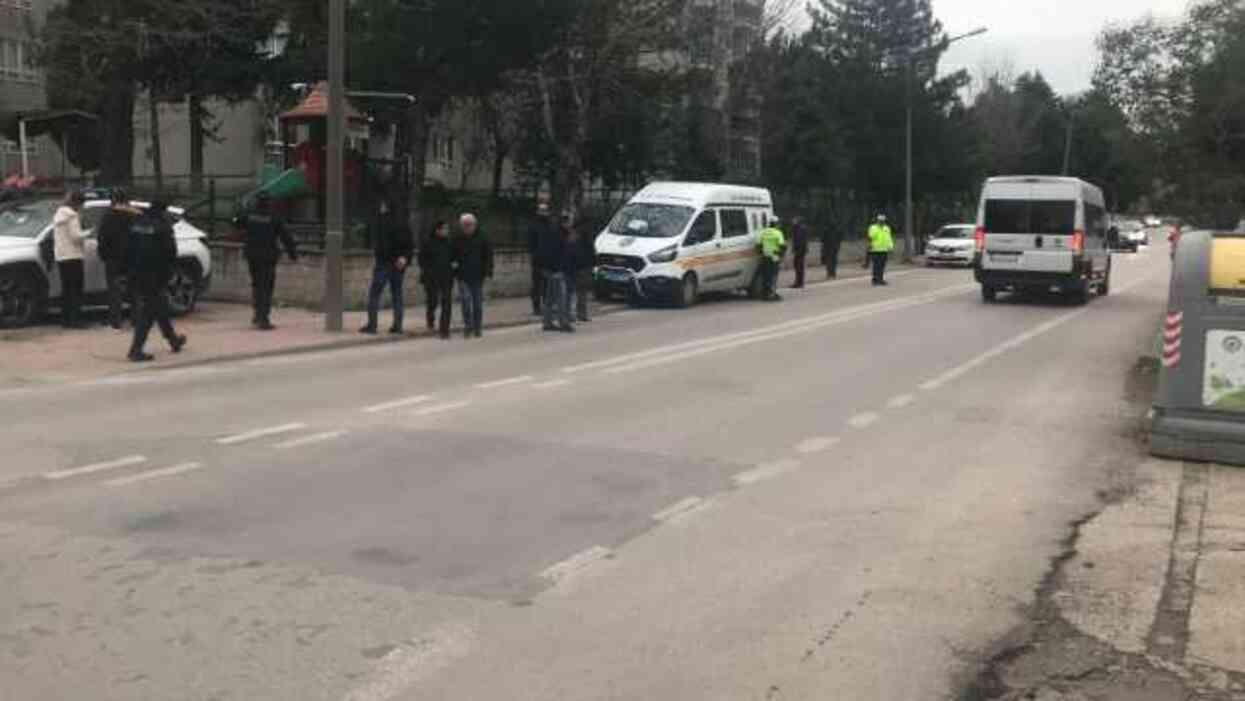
<point x="622" y="282"/>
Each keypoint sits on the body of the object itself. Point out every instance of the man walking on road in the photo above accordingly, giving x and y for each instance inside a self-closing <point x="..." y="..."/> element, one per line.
<point x="881" y="244"/>
<point x="151" y="252"/>
<point x="799" y="247"/>
<point x="473" y="254"/>
<point x="831" y="240"/>
<point x="114" y="234"/>
<point x="68" y="247"/>
<point x="542" y="227"/>
<point x="773" y="247"/>
<point x="436" y="265"/>
<point x="393" y="247"/>
<point x="263" y="230"/>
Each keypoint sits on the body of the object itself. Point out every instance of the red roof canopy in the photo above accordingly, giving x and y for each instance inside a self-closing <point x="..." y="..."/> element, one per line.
<point x="316" y="106"/>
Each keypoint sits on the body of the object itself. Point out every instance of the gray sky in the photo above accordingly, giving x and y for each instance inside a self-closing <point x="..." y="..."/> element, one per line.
<point x="1054" y="36"/>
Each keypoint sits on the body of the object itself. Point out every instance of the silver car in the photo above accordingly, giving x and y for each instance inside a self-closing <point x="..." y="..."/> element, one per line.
<point x="952" y="245"/>
<point x="29" y="281"/>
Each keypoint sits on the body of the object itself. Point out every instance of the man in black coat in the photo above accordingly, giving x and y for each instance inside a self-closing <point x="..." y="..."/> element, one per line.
<point x="473" y="258"/>
<point x="151" y="252"/>
<point x="393" y="247"/>
<point x="541" y="228"/>
<point x="831" y="240"/>
<point x="436" y="268"/>
<point x="114" y="234"/>
<point x="263" y="230"/>
<point x="799" y="246"/>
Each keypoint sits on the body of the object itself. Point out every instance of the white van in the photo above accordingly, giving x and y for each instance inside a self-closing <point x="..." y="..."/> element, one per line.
<point x="1038" y="233"/>
<point x="673" y="241"/>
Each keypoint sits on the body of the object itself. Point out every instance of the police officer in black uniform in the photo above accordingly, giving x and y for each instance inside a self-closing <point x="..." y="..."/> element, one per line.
<point x="150" y="254"/>
<point x="263" y="230"/>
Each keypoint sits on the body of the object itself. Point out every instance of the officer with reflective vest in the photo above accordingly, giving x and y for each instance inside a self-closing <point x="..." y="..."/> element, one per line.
<point x="773" y="247"/>
<point x="263" y="229"/>
<point x="881" y="244"/>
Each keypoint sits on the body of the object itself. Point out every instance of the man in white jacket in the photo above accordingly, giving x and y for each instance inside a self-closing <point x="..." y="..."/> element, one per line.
<point x="69" y="249"/>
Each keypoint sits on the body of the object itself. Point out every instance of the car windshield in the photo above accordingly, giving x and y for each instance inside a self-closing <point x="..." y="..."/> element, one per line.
<point x="955" y="232"/>
<point x="655" y="221"/>
<point x="26" y="220"/>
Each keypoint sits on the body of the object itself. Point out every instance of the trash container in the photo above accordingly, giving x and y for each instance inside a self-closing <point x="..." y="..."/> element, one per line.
<point x="1199" y="410"/>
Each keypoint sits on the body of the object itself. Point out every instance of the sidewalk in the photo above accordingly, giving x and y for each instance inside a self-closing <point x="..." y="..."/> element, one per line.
<point x="48" y="354"/>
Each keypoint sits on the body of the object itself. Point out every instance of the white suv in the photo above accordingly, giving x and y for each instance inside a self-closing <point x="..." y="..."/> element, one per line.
<point x="29" y="281"/>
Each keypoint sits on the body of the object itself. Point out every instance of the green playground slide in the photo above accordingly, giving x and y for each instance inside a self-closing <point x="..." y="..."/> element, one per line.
<point x="279" y="185"/>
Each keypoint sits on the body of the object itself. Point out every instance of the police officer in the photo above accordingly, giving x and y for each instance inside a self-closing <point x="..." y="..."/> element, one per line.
<point x="263" y="230"/>
<point x="114" y="234"/>
<point x="150" y="253"/>
<point x="881" y="244"/>
<point x="773" y="247"/>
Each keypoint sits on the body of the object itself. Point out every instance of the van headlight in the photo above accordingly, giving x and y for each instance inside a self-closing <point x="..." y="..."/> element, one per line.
<point x="665" y="255"/>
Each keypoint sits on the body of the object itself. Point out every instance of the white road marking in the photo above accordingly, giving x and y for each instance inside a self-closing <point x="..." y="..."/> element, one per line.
<point x="143" y="379"/>
<point x="440" y="409"/>
<point x="96" y="467"/>
<point x="553" y="384"/>
<point x="397" y="404"/>
<point x="260" y="433"/>
<point x="395" y="674"/>
<point x="1012" y="344"/>
<point x="155" y="474"/>
<point x="864" y="420"/>
<point x="575" y="563"/>
<point x="680" y="507"/>
<point x="816" y="445"/>
<point x="901" y="401"/>
<point x="497" y="384"/>
<point x="766" y="472"/>
<point x="310" y="440"/>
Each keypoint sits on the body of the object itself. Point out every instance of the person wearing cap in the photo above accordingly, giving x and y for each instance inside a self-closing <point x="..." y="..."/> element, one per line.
<point x="114" y="234"/>
<point x="263" y="230"/>
<point x="69" y="247"/>
<point x="151" y="252"/>
<point x="881" y="244"/>
<point x="773" y="247"/>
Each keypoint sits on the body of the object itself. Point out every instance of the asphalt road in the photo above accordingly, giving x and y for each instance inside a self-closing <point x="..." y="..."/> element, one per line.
<point x="849" y="495"/>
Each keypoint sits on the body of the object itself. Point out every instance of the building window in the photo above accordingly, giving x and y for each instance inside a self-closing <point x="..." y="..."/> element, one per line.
<point x="449" y="150"/>
<point x="13" y="149"/>
<point x="17" y="61"/>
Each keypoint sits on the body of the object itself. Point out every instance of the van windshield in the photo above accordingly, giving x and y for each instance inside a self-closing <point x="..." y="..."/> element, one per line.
<point x="1050" y="217"/>
<point x="654" y="221"/>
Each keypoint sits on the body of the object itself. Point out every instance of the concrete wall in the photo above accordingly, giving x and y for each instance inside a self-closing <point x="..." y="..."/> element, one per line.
<point x="301" y="284"/>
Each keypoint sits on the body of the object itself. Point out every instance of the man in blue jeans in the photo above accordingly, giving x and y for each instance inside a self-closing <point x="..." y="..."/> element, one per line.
<point x="473" y="261"/>
<point x="393" y="245"/>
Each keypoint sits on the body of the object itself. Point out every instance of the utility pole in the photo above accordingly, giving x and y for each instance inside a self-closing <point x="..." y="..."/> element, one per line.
<point x="1067" y="147"/>
<point x="334" y="234"/>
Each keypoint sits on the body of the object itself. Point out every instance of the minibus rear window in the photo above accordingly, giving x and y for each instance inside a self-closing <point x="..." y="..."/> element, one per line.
<point x="1050" y="217"/>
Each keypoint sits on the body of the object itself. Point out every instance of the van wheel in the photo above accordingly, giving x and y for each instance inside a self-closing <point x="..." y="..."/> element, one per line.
<point x="1104" y="287"/>
<point x="688" y="291"/>
<point x="756" y="288"/>
<point x="21" y="299"/>
<point x="1080" y="294"/>
<point x="989" y="293"/>
<point x="183" y="288"/>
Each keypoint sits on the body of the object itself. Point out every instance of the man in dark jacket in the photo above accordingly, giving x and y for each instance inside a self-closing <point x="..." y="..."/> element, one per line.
<point x="393" y="247"/>
<point x="436" y="266"/>
<point x="581" y="279"/>
<point x="549" y="258"/>
<point x="573" y="260"/>
<point x="831" y="240"/>
<point x="799" y="247"/>
<point x="263" y="230"/>
<point x="542" y="228"/>
<point x="473" y="256"/>
<point x="114" y="233"/>
<point x="150" y="253"/>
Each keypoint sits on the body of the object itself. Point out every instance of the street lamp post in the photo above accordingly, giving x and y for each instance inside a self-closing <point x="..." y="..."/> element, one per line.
<point x="908" y="218"/>
<point x="335" y="206"/>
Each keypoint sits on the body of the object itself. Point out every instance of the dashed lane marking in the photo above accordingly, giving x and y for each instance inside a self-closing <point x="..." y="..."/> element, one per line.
<point x="95" y="467"/>
<point x="155" y="474"/>
<point x="310" y="440"/>
<point x="864" y="420"/>
<point x="440" y="409"/>
<point x="575" y="563"/>
<point x="261" y="433"/>
<point x="901" y="401"/>
<point x="678" y="508"/>
<point x="816" y="445"/>
<point x="398" y="404"/>
<point x="552" y="384"/>
<point x="764" y="472"/>
<point x="508" y="382"/>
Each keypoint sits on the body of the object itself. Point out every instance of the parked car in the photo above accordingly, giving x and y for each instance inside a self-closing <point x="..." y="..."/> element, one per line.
<point x="1134" y="235"/>
<point x="952" y="245"/>
<point x="29" y="281"/>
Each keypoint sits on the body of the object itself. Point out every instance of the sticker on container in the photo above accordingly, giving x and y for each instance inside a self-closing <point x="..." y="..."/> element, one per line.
<point x="1223" y="385"/>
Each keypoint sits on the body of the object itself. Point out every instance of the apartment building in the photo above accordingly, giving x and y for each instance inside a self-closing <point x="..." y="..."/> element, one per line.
<point x="22" y="86"/>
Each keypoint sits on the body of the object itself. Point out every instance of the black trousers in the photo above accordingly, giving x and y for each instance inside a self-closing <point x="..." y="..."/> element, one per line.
<point x="72" y="274"/>
<point x="439" y="295"/>
<point x="769" y="276"/>
<point x="151" y="307"/>
<point x="879" y="267"/>
<point x="800" y="259"/>
<point x="118" y="295"/>
<point x="263" y="282"/>
<point x="538" y="287"/>
<point x="830" y="258"/>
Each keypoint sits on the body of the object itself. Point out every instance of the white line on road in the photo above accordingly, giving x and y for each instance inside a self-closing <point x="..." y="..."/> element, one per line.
<point x="440" y="409"/>
<point x="96" y="467"/>
<point x="575" y="563"/>
<point x="864" y="420"/>
<point x="155" y="474"/>
<point x="552" y="384"/>
<point x="497" y="384"/>
<point x="260" y="433"/>
<point x="677" y="508"/>
<point x="766" y="472"/>
<point x="310" y="440"/>
<point x="397" y="404"/>
<point x="901" y="401"/>
<point x="816" y="445"/>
